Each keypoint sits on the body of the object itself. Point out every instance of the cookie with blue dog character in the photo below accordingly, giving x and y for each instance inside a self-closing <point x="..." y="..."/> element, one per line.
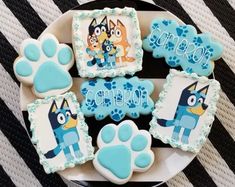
<point x="59" y="132"/>
<point x="185" y="110"/>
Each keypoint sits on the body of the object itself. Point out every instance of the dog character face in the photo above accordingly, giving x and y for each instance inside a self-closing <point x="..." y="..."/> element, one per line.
<point x="99" y="30"/>
<point x="194" y="100"/>
<point x="62" y="117"/>
<point x="118" y="32"/>
<point x="108" y="47"/>
<point x="92" y="42"/>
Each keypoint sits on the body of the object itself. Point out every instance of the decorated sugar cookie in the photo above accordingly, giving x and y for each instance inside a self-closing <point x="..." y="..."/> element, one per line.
<point x="123" y="149"/>
<point x="59" y="132"/>
<point x="117" y="97"/>
<point x="185" y="110"/>
<point x="180" y="45"/>
<point x="107" y="42"/>
<point x="43" y="64"/>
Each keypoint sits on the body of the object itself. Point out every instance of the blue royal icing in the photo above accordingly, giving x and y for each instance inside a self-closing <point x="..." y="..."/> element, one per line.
<point x="143" y="160"/>
<point x="49" y="47"/>
<point x="117" y="97"/>
<point x="32" y="52"/>
<point x="65" y="55"/>
<point x="125" y="132"/>
<point x="107" y="134"/>
<point x="182" y="46"/>
<point x="24" y="69"/>
<point x="114" y="157"/>
<point x="51" y="77"/>
<point x="139" y="142"/>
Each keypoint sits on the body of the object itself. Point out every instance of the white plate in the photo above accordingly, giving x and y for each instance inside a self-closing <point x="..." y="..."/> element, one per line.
<point x="168" y="162"/>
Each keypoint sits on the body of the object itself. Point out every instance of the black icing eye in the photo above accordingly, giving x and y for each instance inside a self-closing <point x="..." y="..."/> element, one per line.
<point x="103" y="29"/>
<point x="200" y="100"/>
<point x="112" y="32"/>
<point x="97" y="31"/>
<point x="108" y="48"/>
<point x="118" y="33"/>
<point x="68" y="114"/>
<point x="192" y="100"/>
<point x="61" y="118"/>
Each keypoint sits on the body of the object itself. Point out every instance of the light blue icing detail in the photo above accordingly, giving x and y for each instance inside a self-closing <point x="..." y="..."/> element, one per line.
<point x="23" y="68"/>
<point x="70" y="138"/>
<point x="188" y="122"/>
<point x="107" y="134"/>
<point x="51" y="77"/>
<point x="65" y="55"/>
<point x="182" y="46"/>
<point x="113" y="157"/>
<point x="143" y="160"/>
<point x="49" y="47"/>
<point x="117" y="97"/>
<point x="32" y="52"/>
<point x="125" y="132"/>
<point x="139" y="142"/>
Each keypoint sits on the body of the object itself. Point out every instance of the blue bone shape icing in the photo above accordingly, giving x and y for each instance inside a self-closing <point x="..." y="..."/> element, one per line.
<point x="117" y="97"/>
<point x="122" y="150"/>
<point x="182" y="46"/>
<point x="44" y="64"/>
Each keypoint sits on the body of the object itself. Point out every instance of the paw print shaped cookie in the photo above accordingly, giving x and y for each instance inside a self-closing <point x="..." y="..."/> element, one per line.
<point x="123" y="149"/>
<point x="44" y="64"/>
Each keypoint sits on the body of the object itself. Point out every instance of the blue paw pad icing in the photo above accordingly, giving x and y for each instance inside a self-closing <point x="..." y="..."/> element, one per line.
<point x="181" y="46"/>
<point x="43" y="64"/>
<point x="123" y="149"/>
<point x="117" y="97"/>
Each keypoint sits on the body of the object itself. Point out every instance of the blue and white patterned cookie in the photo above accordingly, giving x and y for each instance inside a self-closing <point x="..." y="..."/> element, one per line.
<point x="44" y="64"/>
<point x="181" y="46"/>
<point x="123" y="149"/>
<point x="117" y="97"/>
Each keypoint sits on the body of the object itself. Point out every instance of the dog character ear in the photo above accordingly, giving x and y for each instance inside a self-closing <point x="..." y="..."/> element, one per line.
<point x="104" y="21"/>
<point x="64" y="104"/>
<point x="111" y="24"/>
<point x="53" y="107"/>
<point x="93" y="23"/>
<point x="204" y="90"/>
<point x="191" y="87"/>
<point x="120" y="23"/>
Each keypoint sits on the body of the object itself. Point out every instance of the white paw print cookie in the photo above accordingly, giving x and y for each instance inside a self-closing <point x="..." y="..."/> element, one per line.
<point x="44" y="64"/>
<point x="122" y="150"/>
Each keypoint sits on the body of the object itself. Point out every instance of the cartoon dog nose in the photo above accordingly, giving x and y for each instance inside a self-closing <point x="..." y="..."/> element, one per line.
<point x="114" y="47"/>
<point x="204" y="106"/>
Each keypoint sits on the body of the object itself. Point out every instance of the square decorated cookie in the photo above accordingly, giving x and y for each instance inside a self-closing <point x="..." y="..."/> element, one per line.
<point x="59" y="132"/>
<point x="185" y="110"/>
<point x="107" y="42"/>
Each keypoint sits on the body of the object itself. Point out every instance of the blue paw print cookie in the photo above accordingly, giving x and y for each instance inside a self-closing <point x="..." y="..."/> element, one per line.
<point x="181" y="46"/>
<point x="44" y="64"/>
<point x="123" y="149"/>
<point x="117" y="97"/>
